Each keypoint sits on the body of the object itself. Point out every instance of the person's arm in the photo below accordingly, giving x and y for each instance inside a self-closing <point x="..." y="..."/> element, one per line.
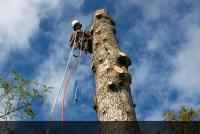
<point x="72" y="38"/>
<point x="88" y="34"/>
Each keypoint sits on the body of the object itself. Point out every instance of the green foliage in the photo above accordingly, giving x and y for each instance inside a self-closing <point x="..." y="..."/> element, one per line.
<point x="184" y="114"/>
<point x="18" y="96"/>
<point x="185" y="121"/>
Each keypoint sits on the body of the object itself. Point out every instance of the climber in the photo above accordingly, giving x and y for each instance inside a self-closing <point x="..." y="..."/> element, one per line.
<point x="80" y="37"/>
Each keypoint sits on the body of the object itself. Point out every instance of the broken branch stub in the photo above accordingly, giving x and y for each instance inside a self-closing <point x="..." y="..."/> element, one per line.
<point x="118" y="69"/>
<point x="100" y="13"/>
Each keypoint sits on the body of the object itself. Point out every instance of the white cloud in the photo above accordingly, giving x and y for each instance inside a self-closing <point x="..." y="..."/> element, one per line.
<point x="142" y="73"/>
<point x="18" y="22"/>
<point x="155" y="115"/>
<point x="186" y="64"/>
<point x="157" y="38"/>
<point x="51" y="70"/>
<point x="75" y="4"/>
<point x="151" y="9"/>
<point x="152" y="45"/>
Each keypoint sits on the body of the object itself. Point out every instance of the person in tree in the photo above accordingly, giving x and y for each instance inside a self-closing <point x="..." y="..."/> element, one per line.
<point x="81" y="39"/>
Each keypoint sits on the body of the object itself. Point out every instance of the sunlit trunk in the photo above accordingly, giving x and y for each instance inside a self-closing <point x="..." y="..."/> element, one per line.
<point x="113" y="100"/>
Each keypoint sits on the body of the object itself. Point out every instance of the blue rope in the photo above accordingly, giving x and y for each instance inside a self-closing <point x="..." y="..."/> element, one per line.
<point x="76" y="84"/>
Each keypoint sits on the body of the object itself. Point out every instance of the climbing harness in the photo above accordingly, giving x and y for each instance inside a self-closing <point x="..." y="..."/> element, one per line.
<point x="76" y="48"/>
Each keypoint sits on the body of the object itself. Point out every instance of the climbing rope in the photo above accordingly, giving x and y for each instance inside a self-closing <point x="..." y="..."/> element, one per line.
<point x="71" y="53"/>
<point x="67" y="65"/>
<point x="75" y="51"/>
<point x="76" y="91"/>
<point x="65" y="89"/>
<point x="56" y="98"/>
<point x="77" y="80"/>
<point x="70" y="75"/>
<point x="65" y="72"/>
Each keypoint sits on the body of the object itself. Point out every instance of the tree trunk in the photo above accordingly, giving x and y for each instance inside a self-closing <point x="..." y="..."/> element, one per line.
<point x="113" y="101"/>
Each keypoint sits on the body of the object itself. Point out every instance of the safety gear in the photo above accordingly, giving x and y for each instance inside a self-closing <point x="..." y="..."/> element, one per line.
<point x="74" y="22"/>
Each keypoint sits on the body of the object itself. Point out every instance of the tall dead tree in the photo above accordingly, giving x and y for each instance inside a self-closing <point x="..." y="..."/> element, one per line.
<point x="113" y="101"/>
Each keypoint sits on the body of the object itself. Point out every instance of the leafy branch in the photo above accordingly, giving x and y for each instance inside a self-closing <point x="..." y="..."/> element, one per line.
<point x="18" y="96"/>
<point x="185" y="121"/>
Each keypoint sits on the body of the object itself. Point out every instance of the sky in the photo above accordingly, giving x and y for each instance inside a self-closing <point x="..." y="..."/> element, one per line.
<point x="161" y="38"/>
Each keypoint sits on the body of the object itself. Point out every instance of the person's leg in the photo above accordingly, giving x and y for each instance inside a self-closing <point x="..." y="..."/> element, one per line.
<point x="89" y="46"/>
<point x="85" y="46"/>
<point x="79" y="44"/>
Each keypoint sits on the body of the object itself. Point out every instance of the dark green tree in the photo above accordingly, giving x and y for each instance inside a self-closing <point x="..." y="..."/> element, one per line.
<point x="18" y="96"/>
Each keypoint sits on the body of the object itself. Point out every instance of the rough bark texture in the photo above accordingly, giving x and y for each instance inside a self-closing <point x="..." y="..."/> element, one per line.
<point x="113" y="101"/>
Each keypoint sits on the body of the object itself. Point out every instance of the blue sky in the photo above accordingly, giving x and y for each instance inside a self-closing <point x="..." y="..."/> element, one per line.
<point x="161" y="37"/>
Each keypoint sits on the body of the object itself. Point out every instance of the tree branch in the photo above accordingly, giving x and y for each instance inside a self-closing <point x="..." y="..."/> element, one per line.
<point x="9" y="112"/>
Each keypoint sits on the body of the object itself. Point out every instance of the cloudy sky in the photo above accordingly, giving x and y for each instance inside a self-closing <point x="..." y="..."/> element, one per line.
<point x="161" y="37"/>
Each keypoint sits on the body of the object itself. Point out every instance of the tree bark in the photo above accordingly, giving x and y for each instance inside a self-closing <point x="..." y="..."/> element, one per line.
<point x="113" y="100"/>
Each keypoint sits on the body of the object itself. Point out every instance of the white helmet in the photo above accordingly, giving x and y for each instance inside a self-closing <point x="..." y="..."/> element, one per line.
<point x="74" y="22"/>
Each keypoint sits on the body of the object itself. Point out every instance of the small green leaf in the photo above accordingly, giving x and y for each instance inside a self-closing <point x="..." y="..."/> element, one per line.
<point x="26" y="82"/>
<point x="5" y="85"/>
<point x="17" y="76"/>
<point x="35" y="92"/>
